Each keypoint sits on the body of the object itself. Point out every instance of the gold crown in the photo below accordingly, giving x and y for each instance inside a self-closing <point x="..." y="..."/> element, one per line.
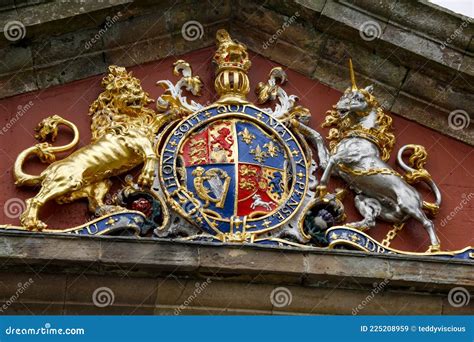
<point x="230" y="54"/>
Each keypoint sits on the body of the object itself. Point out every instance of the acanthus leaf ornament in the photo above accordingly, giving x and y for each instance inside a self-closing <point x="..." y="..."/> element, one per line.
<point x="271" y="90"/>
<point x="173" y="101"/>
<point x="231" y="171"/>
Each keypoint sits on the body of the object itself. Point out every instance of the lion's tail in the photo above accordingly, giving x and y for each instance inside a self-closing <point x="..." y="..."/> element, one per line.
<point x="415" y="173"/>
<point x="48" y="128"/>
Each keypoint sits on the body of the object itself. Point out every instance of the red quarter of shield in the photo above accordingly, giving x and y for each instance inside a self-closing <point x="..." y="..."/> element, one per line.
<point x="252" y="191"/>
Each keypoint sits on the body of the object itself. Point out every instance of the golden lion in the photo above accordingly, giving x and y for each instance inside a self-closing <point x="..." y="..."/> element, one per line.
<point x="123" y="131"/>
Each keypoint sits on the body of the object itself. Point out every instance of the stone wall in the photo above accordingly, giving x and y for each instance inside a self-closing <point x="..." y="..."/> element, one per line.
<point x="419" y="56"/>
<point x="64" y="275"/>
<point x="66" y="41"/>
<point x="400" y="46"/>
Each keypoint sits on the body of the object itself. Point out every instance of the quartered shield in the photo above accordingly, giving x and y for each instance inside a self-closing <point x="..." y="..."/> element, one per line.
<point x="234" y="169"/>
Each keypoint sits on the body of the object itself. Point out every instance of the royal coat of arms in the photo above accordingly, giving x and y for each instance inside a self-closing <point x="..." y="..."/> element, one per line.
<point x="232" y="171"/>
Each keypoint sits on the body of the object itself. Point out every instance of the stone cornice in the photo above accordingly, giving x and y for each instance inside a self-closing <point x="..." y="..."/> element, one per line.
<point x="65" y="268"/>
<point x="415" y="75"/>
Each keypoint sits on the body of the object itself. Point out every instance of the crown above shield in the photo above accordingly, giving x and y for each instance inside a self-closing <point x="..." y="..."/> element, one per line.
<point x="232" y="61"/>
<point x="230" y="54"/>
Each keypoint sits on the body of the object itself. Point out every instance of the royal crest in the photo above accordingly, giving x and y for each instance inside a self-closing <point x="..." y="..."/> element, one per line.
<point x="235" y="170"/>
<point x="232" y="171"/>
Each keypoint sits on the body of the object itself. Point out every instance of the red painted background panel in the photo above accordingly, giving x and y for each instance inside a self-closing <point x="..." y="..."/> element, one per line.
<point x="450" y="162"/>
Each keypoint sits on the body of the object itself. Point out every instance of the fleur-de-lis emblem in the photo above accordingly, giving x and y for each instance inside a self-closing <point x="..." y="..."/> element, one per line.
<point x="272" y="149"/>
<point x="258" y="153"/>
<point x="247" y="137"/>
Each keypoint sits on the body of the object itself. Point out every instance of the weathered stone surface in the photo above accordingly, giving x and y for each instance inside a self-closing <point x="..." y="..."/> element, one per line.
<point x="365" y="62"/>
<point x="384" y="8"/>
<point x="164" y="310"/>
<point x="52" y="11"/>
<point x="129" y="32"/>
<point x="163" y="277"/>
<point x="285" y="8"/>
<point x="205" y="13"/>
<point x="460" y="308"/>
<point x="257" y="265"/>
<point x="140" y="52"/>
<point x="423" y="47"/>
<point x="281" y="52"/>
<point x="29" y="293"/>
<point x="336" y="75"/>
<point x="467" y="66"/>
<point x="357" y="20"/>
<point x="367" y="301"/>
<point x="211" y="293"/>
<point x="434" y="22"/>
<point x="7" y="5"/>
<point x="5" y="18"/>
<point x="39" y="249"/>
<point x="314" y="5"/>
<point x="470" y="47"/>
<point x="44" y="308"/>
<point x="430" y="44"/>
<point x="94" y="291"/>
<point x="77" y="68"/>
<point x="15" y="59"/>
<point x="431" y="116"/>
<point x="65" y="47"/>
<point x="148" y="255"/>
<point x="438" y="93"/>
<point x="289" y="28"/>
<point x="19" y="82"/>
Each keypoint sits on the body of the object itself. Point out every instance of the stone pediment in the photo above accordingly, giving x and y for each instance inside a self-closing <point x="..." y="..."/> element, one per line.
<point x="419" y="55"/>
<point x="314" y="40"/>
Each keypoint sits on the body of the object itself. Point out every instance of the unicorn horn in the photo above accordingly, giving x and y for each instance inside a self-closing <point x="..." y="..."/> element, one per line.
<point x="353" y="79"/>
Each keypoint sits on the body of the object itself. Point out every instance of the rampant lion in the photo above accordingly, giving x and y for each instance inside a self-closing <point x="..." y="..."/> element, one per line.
<point x="224" y="140"/>
<point x="123" y="131"/>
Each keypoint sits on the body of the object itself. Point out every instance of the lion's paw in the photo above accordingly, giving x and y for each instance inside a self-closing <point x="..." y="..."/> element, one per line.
<point x="33" y="224"/>
<point x="147" y="176"/>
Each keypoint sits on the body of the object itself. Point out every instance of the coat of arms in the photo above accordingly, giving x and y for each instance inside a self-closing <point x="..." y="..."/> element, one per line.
<point x="233" y="171"/>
